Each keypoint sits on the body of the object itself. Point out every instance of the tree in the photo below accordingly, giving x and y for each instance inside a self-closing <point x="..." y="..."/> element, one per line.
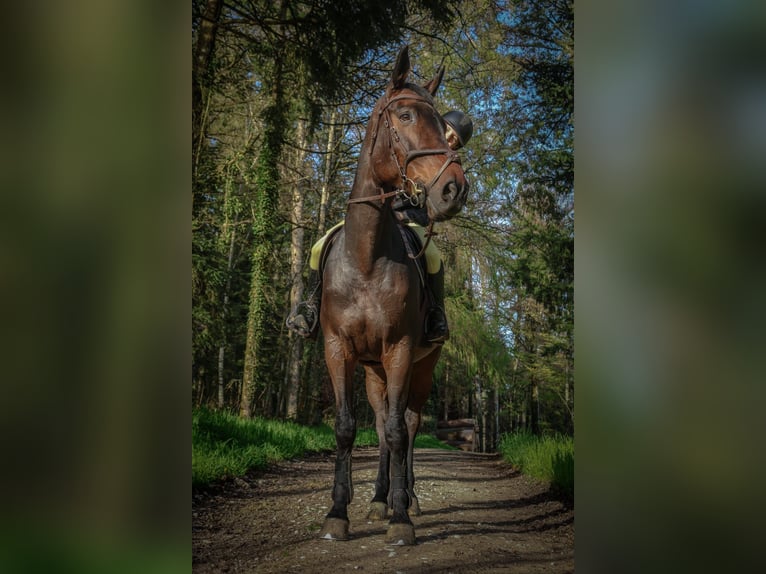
<point x="202" y="72"/>
<point x="286" y="93"/>
<point x="541" y="33"/>
<point x="287" y="44"/>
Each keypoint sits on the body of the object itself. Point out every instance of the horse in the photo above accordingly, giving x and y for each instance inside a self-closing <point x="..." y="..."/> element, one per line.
<point x="373" y="302"/>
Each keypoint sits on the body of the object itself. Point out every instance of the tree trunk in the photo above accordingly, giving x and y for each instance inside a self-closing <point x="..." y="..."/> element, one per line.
<point x="515" y="424"/>
<point x="312" y="371"/>
<point x="264" y="211"/>
<point x="221" y="353"/>
<point x="523" y="423"/>
<point x="294" y="376"/>
<point x="329" y="160"/>
<point x="568" y="386"/>
<point x="229" y="229"/>
<point x="203" y="55"/>
<point x="256" y="312"/>
<point x="296" y="272"/>
<point x="312" y="388"/>
<point x="534" y="408"/>
<point x="201" y="386"/>
<point x="496" y="433"/>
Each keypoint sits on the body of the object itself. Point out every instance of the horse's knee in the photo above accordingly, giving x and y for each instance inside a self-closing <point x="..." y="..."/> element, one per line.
<point x="345" y="430"/>
<point x="396" y="432"/>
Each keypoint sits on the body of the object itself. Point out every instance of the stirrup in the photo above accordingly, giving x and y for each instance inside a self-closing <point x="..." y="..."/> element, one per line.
<point x="439" y="337"/>
<point x="436" y="328"/>
<point x="297" y="322"/>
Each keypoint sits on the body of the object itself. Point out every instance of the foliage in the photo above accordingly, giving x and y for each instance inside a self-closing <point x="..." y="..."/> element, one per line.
<point x="549" y="458"/>
<point x="540" y="39"/>
<point x="430" y="441"/>
<point x="508" y="256"/>
<point x="226" y="446"/>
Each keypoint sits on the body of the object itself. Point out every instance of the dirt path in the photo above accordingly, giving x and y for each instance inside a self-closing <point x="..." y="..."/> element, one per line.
<point x="478" y="516"/>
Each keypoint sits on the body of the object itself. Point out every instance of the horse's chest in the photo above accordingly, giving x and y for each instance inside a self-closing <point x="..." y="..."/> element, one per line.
<point x="377" y="306"/>
<point x="370" y="306"/>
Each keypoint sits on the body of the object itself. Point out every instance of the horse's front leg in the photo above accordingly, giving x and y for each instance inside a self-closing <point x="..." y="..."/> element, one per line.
<point x="376" y="395"/>
<point x="336" y="524"/>
<point x="398" y="367"/>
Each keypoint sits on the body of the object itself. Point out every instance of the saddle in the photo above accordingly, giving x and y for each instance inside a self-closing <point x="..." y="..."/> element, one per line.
<point x="412" y="243"/>
<point x="332" y="235"/>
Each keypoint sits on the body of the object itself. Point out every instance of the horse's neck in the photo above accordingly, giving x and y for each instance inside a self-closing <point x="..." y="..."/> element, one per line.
<point x="368" y="227"/>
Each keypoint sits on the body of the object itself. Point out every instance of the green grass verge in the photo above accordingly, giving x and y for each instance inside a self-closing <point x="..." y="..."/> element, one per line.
<point x="226" y="446"/>
<point x="430" y="441"/>
<point x="549" y="458"/>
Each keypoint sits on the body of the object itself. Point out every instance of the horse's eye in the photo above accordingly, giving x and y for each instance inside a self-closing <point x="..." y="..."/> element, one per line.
<point x="405" y="117"/>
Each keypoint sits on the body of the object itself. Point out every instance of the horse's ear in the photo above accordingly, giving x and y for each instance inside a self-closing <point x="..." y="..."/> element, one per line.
<point x="434" y="84"/>
<point x="401" y="68"/>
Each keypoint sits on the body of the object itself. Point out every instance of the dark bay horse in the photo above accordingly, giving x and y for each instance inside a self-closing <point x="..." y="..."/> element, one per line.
<point x="373" y="302"/>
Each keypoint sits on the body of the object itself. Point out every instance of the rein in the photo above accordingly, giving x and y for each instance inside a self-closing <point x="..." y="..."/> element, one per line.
<point x="382" y="197"/>
<point x="429" y="233"/>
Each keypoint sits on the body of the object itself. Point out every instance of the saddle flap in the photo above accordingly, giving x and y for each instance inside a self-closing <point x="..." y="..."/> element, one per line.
<point x="413" y="244"/>
<point x="330" y="238"/>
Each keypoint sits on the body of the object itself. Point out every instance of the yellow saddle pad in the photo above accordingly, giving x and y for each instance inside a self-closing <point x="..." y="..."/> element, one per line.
<point x="433" y="255"/>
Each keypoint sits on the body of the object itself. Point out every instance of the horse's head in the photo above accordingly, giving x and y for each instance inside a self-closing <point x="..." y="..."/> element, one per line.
<point x="409" y="149"/>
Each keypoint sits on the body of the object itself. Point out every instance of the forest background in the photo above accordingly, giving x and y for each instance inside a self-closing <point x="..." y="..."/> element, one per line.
<point x="670" y="282"/>
<point x="281" y="96"/>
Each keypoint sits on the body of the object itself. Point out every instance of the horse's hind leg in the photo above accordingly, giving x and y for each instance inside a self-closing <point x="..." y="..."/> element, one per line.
<point x="336" y="524"/>
<point x="376" y="394"/>
<point x="413" y="423"/>
<point x="420" y="389"/>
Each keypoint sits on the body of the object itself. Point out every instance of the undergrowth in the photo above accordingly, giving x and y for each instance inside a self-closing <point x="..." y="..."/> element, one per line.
<point x="226" y="446"/>
<point x="549" y="458"/>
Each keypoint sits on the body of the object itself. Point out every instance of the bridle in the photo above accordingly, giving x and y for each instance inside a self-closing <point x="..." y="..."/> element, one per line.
<point x="416" y="194"/>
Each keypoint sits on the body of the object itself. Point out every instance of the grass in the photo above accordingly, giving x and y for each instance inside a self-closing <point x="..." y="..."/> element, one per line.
<point x="549" y="458"/>
<point x="430" y="441"/>
<point x="226" y="446"/>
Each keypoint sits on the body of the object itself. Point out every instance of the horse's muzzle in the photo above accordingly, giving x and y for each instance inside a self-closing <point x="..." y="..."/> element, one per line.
<point x="448" y="201"/>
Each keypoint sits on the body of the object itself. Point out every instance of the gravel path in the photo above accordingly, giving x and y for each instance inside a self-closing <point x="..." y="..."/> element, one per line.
<point x="478" y="516"/>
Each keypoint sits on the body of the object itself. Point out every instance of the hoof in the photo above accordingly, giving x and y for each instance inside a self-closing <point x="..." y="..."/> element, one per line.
<point x="378" y="511"/>
<point x="401" y="535"/>
<point x="334" y="529"/>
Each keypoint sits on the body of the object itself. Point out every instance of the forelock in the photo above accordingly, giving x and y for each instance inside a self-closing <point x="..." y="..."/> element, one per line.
<point x="420" y="91"/>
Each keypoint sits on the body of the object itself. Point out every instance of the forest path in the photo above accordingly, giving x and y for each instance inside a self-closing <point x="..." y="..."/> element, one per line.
<point x="479" y="515"/>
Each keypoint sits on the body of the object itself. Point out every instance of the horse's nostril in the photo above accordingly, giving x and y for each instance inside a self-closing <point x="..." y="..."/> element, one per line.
<point x="450" y="191"/>
<point x="461" y="193"/>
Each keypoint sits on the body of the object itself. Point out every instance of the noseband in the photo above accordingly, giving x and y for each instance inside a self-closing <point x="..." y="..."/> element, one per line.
<point x="415" y="193"/>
